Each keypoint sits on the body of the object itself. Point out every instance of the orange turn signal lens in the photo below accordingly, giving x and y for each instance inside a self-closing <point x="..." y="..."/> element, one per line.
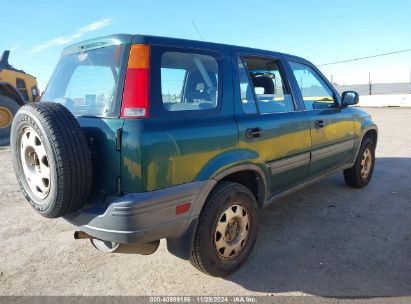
<point x="139" y="57"/>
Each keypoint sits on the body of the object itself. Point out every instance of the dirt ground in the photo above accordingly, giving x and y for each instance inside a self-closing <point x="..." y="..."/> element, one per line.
<point x="327" y="240"/>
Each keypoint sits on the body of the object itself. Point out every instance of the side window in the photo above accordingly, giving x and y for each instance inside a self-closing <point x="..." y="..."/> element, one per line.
<point x="21" y="86"/>
<point x="172" y="83"/>
<point x="189" y="81"/>
<point x="269" y="90"/>
<point x="315" y="92"/>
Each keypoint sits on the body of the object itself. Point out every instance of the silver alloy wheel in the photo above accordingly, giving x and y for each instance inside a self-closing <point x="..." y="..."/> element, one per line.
<point x="35" y="163"/>
<point x="231" y="232"/>
<point x="366" y="163"/>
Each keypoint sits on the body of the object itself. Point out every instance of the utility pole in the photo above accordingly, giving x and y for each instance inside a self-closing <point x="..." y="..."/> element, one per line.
<point x="332" y="82"/>
<point x="369" y="82"/>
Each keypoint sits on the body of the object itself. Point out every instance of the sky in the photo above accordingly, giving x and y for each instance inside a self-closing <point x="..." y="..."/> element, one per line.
<point x="320" y="31"/>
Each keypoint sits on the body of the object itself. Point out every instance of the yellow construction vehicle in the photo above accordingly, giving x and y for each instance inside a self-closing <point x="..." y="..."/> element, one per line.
<point x="16" y="89"/>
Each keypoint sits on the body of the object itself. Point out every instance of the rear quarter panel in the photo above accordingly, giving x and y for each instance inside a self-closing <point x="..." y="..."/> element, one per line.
<point x="160" y="152"/>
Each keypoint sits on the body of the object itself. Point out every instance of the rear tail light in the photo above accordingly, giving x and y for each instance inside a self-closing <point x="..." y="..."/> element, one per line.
<point x="136" y="85"/>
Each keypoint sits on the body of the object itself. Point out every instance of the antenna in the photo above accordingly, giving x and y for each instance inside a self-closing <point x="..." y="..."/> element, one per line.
<point x="198" y="32"/>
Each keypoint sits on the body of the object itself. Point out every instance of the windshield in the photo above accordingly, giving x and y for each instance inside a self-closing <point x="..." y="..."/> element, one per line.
<point x="87" y="83"/>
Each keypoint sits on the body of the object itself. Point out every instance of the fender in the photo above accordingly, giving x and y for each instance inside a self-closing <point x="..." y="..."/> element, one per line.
<point x="8" y="90"/>
<point x="367" y="125"/>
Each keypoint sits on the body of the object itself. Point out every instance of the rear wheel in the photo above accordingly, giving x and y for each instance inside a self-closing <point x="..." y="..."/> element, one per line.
<point x="360" y="174"/>
<point x="8" y="109"/>
<point x="227" y="230"/>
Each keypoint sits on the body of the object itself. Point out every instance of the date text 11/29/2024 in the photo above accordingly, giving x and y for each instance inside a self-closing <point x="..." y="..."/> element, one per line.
<point x="203" y="299"/>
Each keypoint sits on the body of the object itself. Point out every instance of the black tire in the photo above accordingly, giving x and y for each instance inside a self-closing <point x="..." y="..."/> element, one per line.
<point x="9" y="106"/>
<point x="68" y="157"/>
<point x="204" y="254"/>
<point x="353" y="176"/>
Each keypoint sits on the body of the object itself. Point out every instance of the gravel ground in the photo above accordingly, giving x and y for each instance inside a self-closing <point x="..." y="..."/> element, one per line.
<point x="327" y="240"/>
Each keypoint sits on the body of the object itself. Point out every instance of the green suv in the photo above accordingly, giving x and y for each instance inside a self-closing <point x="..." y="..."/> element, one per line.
<point x="141" y="138"/>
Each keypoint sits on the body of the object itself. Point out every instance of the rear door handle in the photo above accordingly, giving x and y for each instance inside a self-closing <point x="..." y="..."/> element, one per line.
<point x="254" y="133"/>
<point x="319" y="124"/>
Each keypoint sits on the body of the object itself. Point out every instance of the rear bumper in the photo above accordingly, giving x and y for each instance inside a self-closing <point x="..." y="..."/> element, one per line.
<point x="143" y="217"/>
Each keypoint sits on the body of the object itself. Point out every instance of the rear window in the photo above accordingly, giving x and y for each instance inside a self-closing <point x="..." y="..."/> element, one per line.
<point x="189" y="81"/>
<point x="87" y="83"/>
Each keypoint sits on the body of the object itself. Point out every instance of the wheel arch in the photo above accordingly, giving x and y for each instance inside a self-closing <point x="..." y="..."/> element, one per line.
<point x="6" y="89"/>
<point x="248" y="175"/>
<point x="371" y="133"/>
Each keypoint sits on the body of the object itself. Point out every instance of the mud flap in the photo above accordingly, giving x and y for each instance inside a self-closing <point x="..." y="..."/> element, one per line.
<point x="182" y="246"/>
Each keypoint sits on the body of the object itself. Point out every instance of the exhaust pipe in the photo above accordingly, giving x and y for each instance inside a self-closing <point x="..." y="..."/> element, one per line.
<point x="114" y="247"/>
<point x="80" y="235"/>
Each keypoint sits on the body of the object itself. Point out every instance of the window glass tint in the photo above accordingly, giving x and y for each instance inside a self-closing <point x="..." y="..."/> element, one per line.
<point x="86" y="83"/>
<point x="246" y="93"/>
<point x="189" y="81"/>
<point x="316" y="94"/>
<point x="172" y="84"/>
<point x="91" y="86"/>
<point x="271" y="94"/>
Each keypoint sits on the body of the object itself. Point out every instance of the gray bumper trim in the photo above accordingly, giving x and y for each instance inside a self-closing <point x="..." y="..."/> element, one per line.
<point x="143" y="217"/>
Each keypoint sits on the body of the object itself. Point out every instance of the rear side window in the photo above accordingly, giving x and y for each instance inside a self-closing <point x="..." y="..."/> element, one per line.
<point x="189" y="81"/>
<point x="264" y="86"/>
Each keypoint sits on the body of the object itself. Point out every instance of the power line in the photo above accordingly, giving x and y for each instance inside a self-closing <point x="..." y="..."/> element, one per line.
<point x="198" y="32"/>
<point x="366" y="57"/>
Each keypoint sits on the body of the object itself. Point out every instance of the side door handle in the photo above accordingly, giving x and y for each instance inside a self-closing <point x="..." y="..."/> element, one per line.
<point x="319" y="124"/>
<point x="254" y="133"/>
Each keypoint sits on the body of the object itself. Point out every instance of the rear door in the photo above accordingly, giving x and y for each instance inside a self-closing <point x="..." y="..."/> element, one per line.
<point x="332" y="127"/>
<point x="89" y="84"/>
<point x="273" y="131"/>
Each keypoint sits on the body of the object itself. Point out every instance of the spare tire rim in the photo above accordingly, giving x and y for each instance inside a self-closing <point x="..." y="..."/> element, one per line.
<point x="366" y="163"/>
<point x="231" y="232"/>
<point x="35" y="163"/>
<point x="6" y="117"/>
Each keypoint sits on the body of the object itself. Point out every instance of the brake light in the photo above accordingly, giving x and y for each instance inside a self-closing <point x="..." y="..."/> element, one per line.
<point x="136" y="85"/>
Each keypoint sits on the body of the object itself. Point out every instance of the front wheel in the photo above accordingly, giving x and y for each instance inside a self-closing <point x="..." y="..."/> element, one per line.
<point x="227" y="230"/>
<point x="360" y="174"/>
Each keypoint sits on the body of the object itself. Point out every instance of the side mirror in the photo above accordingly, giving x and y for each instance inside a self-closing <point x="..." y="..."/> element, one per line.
<point x="349" y="98"/>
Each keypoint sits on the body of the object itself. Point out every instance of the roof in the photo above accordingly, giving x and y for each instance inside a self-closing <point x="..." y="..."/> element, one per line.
<point x="118" y="39"/>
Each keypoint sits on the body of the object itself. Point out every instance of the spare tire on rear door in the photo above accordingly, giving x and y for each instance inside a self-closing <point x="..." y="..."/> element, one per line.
<point x="51" y="158"/>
